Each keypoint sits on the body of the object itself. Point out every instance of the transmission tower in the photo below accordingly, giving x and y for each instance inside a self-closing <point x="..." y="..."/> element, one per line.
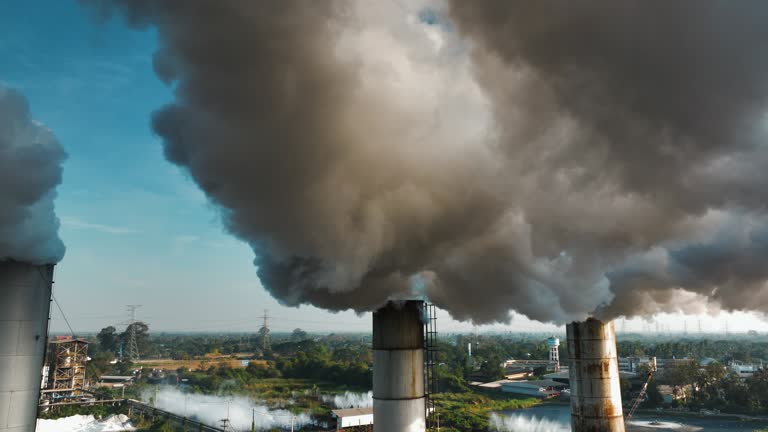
<point x="133" y="347"/>
<point x="264" y="332"/>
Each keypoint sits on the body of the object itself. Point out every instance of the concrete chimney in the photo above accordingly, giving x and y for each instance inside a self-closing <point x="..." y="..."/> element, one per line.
<point x="25" y="296"/>
<point x="594" y="376"/>
<point x="398" y="368"/>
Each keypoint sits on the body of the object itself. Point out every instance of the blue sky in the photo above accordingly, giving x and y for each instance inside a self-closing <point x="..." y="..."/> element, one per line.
<point x="137" y="230"/>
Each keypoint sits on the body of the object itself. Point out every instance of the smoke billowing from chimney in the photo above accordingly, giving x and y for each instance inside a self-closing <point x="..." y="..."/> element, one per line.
<point x="30" y="170"/>
<point x="560" y="159"/>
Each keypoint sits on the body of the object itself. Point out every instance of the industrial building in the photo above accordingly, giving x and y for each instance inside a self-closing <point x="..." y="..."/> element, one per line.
<point x="543" y="389"/>
<point x="743" y="369"/>
<point x="515" y="366"/>
<point x="353" y="418"/>
<point x="631" y="364"/>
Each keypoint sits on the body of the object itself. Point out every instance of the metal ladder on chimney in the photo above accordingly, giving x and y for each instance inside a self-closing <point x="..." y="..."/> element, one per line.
<point x="430" y="362"/>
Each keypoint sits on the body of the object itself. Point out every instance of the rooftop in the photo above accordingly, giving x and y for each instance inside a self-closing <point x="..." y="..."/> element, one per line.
<point x="352" y="412"/>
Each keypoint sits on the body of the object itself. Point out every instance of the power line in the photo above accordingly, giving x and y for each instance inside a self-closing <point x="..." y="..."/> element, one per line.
<point x="72" y="332"/>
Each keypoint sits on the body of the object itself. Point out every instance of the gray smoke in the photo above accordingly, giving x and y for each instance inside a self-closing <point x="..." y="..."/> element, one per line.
<point x="642" y="124"/>
<point x="30" y="170"/>
<point x="560" y="159"/>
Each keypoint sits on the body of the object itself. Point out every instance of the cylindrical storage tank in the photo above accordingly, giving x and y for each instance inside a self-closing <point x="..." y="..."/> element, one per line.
<point x="399" y="403"/>
<point x="594" y="377"/>
<point x="25" y="296"/>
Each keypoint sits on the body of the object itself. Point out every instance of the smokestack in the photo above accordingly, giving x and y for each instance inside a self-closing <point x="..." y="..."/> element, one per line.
<point x="25" y="296"/>
<point x="594" y="376"/>
<point x="398" y="368"/>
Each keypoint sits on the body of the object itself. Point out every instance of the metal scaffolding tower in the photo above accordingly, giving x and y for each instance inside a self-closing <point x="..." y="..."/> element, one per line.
<point x="66" y="378"/>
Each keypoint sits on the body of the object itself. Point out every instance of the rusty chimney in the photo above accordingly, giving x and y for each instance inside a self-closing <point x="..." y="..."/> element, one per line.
<point x="398" y="368"/>
<point x="594" y="377"/>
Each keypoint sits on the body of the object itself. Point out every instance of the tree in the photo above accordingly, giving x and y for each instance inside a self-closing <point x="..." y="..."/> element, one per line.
<point x="142" y="336"/>
<point x="758" y="391"/>
<point x="654" y="397"/>
<point x="299" y="335"/>
<point x="108" y="339"/>
<point x="491" y="369"/>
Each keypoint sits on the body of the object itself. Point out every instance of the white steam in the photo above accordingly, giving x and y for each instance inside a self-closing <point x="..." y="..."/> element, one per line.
<point x="210" y="409"/>
<point x="30" y="170"/>
<point x="525" y="423"/>
<point x="350" y="400"/>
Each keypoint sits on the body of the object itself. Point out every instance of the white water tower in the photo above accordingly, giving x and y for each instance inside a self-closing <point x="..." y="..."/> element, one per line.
<point x="554" y="352"/>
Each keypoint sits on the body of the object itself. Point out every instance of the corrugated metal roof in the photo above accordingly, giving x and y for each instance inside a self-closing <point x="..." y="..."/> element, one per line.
<point x="352" y="412"/>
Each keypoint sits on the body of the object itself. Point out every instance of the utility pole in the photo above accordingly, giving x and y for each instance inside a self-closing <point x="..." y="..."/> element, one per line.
<point x="253" y="419"/>
<point x="225" y="424"/>
<point x="264" y="333"/>
<point x="133" y="347"/>
<point x="225" y="421"/>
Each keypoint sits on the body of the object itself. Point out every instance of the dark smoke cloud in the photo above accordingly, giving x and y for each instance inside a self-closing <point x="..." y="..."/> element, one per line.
<point x="30" y="170"/>
<point x="555" y="158"/>
<point x="663" y="111"/>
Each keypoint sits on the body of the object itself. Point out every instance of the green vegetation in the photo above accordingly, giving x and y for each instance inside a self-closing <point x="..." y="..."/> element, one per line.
<point x="469" y="411"/>
<point x="98" y="411"/>
<point x="300" y="367"/>
<point x="712" y="387"/>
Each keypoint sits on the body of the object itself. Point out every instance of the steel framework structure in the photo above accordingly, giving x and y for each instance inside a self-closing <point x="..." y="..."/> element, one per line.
<point x="67" y="378"/>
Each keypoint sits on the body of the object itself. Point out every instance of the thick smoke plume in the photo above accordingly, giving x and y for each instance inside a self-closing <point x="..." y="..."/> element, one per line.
<point x="556" y="158"/>
<point x="30" y="170"/>
<point x="643" y="126"/>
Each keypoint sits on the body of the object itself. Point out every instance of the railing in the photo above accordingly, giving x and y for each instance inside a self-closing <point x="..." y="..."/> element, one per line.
<point x="135" y="406"/>
<point x="430" y="361"/>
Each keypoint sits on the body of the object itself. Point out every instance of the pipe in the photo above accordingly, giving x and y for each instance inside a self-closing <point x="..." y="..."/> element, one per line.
<point x="398" y="368"/>
<point x="594" y="377"/>
<point x="25" y="296"/>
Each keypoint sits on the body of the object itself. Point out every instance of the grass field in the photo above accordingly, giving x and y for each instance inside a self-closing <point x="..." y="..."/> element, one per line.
<point x="196" y="364"/>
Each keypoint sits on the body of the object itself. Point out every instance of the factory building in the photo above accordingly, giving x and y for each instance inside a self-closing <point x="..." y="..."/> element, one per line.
<point x="543" y="389"/>
<point x="743" y="369"/>
<point x="353" y="418"/>
<point x="631" y="364"/>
